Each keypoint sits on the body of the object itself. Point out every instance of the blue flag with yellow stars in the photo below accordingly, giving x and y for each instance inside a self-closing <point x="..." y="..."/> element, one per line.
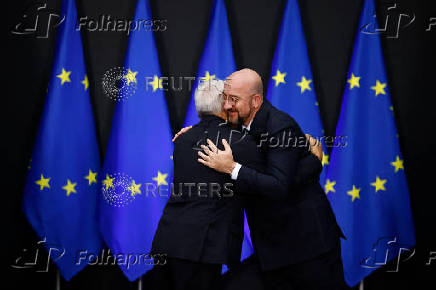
<point x="217" y="61"/>
<point x="61" y="191"/>
<point x="291" y="88"/>
<point x="138" y="166"/>
<point x="366" y="183"/>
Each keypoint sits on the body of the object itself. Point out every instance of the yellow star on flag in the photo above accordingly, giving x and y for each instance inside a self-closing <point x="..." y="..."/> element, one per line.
<point x="325" y="159"/>
<point x="43" y="182"/>
<point x="279" y="78"/>
<point x="156" y="83"/>
<point x="91" y="177"/>
<point x="207" y="77"/>
<point x="304" y="84"/>
<point x="64" y="76"/>
<point x="354" y="193"/>
<point x="134" y="188"/>
<point x="130" y="76"/>
<point x="160" y="178"/>
<point x="398" y="164"/>
<point x="69" y="187"/>
<point x="329" y="186"/>
<point x="379" y="88"/>
<point x="353" y="81"/>
<point x="85" y="82"/>
<point x="379" y="184"/>
<point x="108" y="182"/>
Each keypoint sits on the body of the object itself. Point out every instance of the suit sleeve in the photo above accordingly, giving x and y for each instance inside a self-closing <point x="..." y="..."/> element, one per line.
<point x="278" y="179"/>
<point x="309" y="170"/>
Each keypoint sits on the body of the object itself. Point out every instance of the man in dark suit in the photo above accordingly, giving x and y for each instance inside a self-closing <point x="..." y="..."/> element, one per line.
<point x="202" y="224"/>
<point x="293" y="228"/>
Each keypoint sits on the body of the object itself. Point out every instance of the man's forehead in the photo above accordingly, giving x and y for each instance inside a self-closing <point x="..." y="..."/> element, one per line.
<point x="232" y="84"/>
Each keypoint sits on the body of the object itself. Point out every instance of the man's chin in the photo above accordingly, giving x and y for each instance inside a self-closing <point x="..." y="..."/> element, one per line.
<point x="233" y="121"/>
<point x="232" y="118"/>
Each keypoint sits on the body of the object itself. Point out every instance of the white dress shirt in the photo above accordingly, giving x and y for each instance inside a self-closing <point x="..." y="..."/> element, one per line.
<point x="238" y="166"/>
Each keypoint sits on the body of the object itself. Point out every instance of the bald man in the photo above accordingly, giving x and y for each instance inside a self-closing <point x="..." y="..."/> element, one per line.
<point x="293" y="228"/>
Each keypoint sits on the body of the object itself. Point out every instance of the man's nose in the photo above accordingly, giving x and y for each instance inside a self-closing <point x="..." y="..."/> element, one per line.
<point x="227" y="105"/>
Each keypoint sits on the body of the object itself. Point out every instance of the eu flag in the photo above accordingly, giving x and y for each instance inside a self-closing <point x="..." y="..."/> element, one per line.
<point x="138" y="166"/>
<point x="60" y="194"/>
<point x="291" y="88"/>
<point x="366" y="183"/>
<point x="217" y="61"/>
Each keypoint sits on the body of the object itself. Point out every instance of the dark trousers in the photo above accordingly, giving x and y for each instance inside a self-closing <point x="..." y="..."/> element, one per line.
<point x="179" y="274"/>
<point x="325" y="272"/>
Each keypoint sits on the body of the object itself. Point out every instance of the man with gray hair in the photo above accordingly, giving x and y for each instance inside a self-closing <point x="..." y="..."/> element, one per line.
<point x="202" y="224"/>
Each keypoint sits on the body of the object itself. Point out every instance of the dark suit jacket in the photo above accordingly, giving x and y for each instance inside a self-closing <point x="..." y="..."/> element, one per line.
<point x="203" y="219"/>
<point x="290" y="221"/>
<point x="209" y="228"/>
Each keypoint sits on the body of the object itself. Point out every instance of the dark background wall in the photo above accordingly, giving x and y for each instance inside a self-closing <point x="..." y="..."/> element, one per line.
<point x="329" y="26"/>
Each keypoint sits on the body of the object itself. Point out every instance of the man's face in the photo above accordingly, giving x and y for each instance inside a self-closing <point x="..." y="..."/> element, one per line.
<point x="237" y="101"/>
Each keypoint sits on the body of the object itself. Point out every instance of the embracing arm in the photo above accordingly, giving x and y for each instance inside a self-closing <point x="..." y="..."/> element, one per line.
<point x="281" y="167"/>
<point x="279" y="177"/>
<point x="284" y="170"/>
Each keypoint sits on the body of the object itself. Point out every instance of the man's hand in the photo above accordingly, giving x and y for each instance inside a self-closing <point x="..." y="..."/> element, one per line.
<point x="315" y="146"/>
<point x="183" y="130"/>
<point x="221" y="161"/>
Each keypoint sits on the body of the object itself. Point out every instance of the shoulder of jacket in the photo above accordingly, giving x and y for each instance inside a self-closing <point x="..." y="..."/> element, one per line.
<point x="279" y="120"/>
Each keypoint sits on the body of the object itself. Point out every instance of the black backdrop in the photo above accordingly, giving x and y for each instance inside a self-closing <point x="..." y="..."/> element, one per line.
<point x="329" y="27"/>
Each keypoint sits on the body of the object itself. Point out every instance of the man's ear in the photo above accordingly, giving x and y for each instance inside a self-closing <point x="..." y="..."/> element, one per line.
<point x="257" y="101"/>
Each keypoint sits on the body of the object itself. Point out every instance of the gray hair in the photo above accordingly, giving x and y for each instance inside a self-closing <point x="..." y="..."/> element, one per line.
<point x="208" y="97"/>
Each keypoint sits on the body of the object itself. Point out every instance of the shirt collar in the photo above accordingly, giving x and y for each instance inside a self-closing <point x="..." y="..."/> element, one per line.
<point x="249" y="125"/>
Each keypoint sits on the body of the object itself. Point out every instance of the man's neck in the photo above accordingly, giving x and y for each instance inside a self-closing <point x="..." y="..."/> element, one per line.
<point x="251" y="117"/>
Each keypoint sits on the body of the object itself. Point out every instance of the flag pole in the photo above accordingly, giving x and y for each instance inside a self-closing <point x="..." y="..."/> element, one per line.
<point x="361" y="285"/>
<point x="140" y="283"/>
<point x="58" y="280"/>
